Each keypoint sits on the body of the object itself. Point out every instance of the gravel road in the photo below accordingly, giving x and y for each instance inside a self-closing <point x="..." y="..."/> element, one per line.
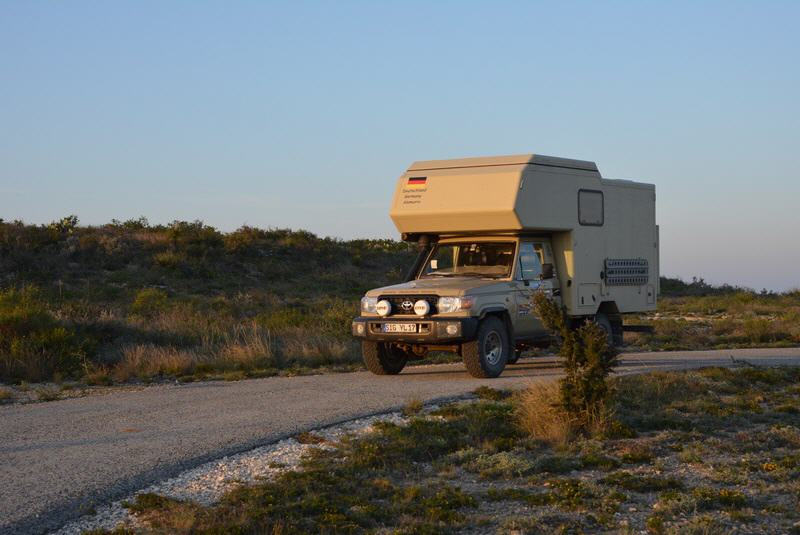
<point x="60" y="459"/>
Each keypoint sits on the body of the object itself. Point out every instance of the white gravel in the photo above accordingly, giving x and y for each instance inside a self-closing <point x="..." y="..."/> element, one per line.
<point x="207" y="483"/>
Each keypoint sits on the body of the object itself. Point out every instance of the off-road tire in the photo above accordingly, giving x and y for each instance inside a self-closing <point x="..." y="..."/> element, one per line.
<point x="383" y="359"/>
<point x="604" y="322"/>
<point x="491" y="331"/>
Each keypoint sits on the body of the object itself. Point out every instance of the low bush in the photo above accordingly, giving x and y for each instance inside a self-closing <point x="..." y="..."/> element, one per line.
<point x="149" y="301"/>
<point x="33" y="343"/>
<point x="584" y="392"/>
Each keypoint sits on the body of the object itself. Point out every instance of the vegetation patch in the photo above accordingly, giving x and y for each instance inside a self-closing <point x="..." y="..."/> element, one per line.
<point x="130" y="301"/>
<point x="642" y="482"/>
<point x="486" y="392"/>
<point x="6" y="395"/>
<point x="133" y="302"/>
<point x="420" y="477"/>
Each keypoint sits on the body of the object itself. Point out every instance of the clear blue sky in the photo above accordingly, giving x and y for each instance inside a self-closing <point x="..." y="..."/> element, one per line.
<point x="302" y="114"/>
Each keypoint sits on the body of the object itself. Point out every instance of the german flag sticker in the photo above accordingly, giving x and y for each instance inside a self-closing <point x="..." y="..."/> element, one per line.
<point x="417" y="182"/>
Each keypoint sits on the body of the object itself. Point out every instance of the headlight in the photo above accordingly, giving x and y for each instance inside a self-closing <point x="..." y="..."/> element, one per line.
<point x="421" y="308"/>
<point x="368" y="305"/>
<point x="453" y="304"/>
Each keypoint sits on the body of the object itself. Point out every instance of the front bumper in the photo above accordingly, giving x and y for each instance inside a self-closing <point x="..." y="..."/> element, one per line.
<point x="428" y="330"/>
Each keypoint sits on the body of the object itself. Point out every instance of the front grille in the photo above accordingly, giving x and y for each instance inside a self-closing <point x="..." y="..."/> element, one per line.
<point x="397" y="302"/>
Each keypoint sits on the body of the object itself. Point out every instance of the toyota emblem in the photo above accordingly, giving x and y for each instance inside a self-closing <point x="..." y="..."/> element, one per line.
<point x="407" y="305"/>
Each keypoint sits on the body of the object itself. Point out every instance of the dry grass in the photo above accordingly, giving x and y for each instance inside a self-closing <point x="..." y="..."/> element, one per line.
<point x="315" y="350"/>
<point x="308" y="437"/>
<point x="6" y="395"/>
<point x="48" y="393"/>
<point x="248" y="346"/>
<point x="244" y="348"/>
<point x="539" y="415"/>
<point x="413" y="407"/>
<point x="98" y="377"/>
<point x="147" y="360"/>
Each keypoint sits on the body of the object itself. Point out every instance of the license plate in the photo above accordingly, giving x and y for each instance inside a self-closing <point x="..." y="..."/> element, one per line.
<point x="399" y="327"/>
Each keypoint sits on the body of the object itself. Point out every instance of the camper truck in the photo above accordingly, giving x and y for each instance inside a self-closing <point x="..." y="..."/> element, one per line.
<point x="493" y="231"/>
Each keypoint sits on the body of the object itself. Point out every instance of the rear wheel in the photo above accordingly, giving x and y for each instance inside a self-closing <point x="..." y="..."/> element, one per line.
<point x="382" y="358"/>
<point x="486" y="356"/>
<point x="604" y="322"/>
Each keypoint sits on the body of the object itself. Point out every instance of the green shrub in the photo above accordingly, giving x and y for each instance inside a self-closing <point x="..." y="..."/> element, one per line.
<point x="757" y="330"/>
<point x="670" y="329"/>
<point x="33" y="344"/>
<point x="140" y="223"/>
<point x="588" y="360"/>
<point x="149" y="301"/>
<point x="711" y="498"/>
<point x="168" y="259"/>
<point x="329" y="316"/>
<point x="285" y="318"/>
<point x="698" y="287"/>
<point x="504" y="464"/>
<point x="66" y="225"/>
<point x="245" y="240"/>
<point x="196" y="239"/>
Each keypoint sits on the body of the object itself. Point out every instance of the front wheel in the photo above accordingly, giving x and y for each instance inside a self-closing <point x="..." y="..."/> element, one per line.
<point x="486" y="356"/>
<point x="383" y="358"/>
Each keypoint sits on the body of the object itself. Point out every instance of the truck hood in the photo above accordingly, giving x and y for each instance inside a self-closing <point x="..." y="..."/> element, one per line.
<point x="441" y="286"/>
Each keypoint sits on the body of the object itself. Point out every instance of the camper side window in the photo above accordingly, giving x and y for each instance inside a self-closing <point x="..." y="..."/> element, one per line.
<point x="530" y="262"/>
<point x="590" y="207"/>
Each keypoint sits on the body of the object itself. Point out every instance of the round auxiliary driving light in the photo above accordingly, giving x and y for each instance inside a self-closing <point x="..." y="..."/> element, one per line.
<point x="452" y="329"/>
<point x="421" y="308"/>
<point x="383" y="307"/>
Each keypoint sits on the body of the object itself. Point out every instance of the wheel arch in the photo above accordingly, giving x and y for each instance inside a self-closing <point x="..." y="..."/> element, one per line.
<point x="609" y="308"/>
<point x="505" y="317"/>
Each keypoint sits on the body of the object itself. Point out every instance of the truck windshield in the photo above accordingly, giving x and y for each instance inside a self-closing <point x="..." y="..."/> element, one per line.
<point x="470" y="259"/>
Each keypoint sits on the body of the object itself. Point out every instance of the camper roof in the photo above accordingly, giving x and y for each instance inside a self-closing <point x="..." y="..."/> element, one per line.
<point x="520" y="159"/>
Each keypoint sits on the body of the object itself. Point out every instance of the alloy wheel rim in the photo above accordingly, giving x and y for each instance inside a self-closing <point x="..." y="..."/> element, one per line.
<point x="493" y="348"/>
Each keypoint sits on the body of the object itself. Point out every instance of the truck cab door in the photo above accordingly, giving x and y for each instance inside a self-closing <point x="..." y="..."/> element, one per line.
<point x="528" y="281"/>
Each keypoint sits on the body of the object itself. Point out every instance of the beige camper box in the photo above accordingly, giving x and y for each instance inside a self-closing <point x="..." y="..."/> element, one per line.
<point x="592" y="244"/>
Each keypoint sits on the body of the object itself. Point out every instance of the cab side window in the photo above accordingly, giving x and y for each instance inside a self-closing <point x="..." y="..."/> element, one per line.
<point x="530" y="262"/>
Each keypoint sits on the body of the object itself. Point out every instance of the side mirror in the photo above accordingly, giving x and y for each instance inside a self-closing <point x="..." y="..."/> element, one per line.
<point x="547" y="271"/>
